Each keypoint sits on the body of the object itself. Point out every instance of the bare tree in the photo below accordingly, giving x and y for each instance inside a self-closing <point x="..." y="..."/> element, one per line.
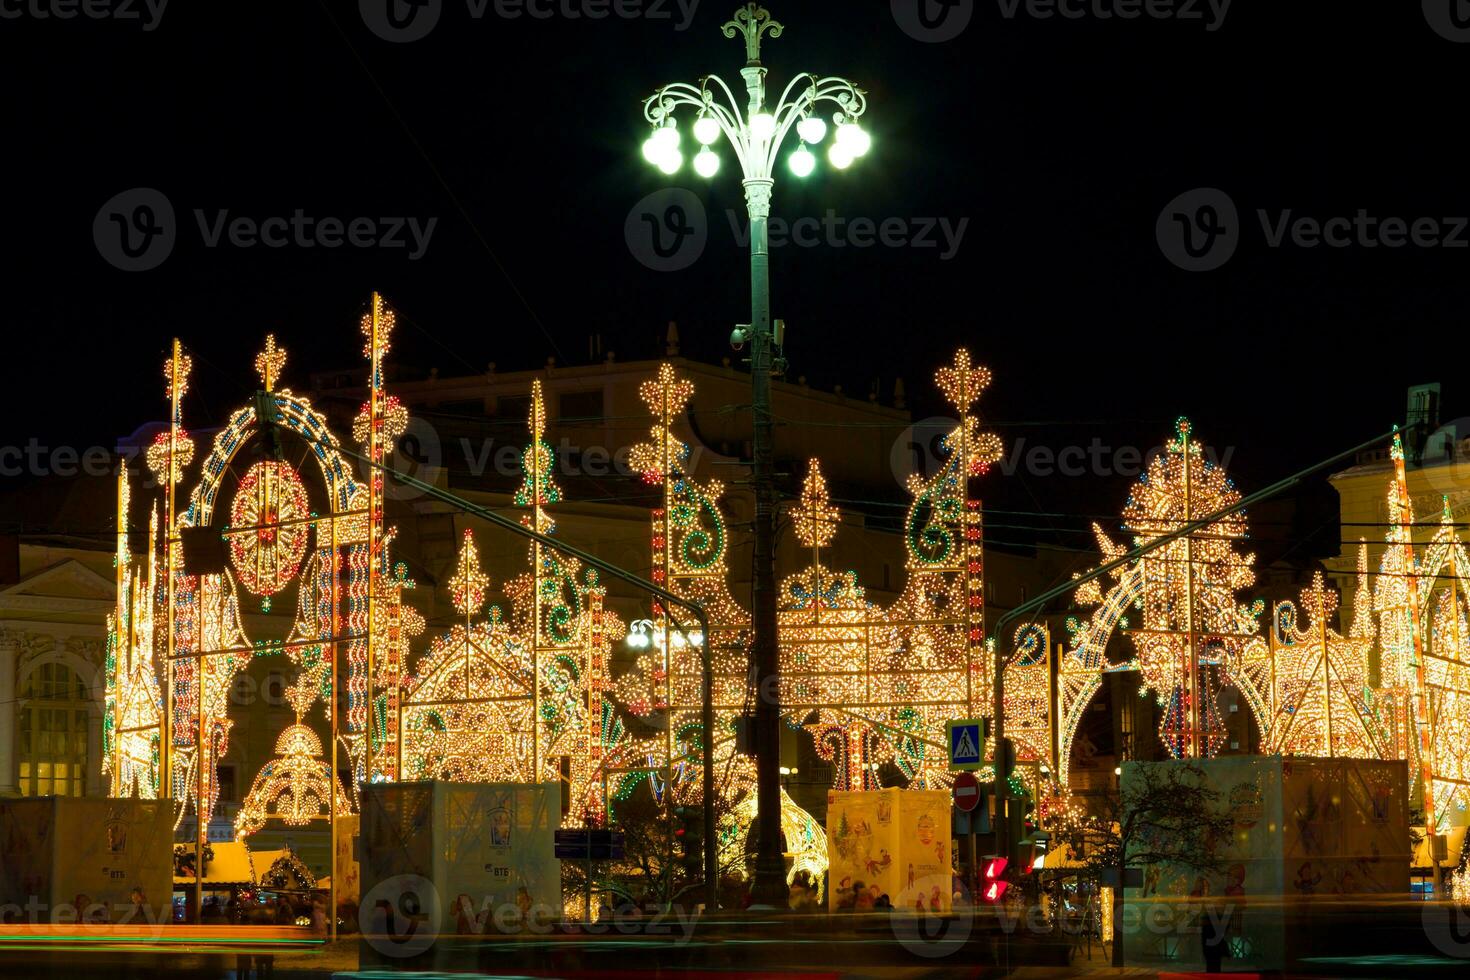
<point x="1168" y="815"/>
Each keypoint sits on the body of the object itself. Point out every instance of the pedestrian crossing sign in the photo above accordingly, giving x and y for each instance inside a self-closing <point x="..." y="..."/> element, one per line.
<point x="966" y="744"/>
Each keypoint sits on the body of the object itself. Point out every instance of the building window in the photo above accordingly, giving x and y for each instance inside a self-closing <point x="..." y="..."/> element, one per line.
<point x="513" y="407"/>
<point x="52" y="747"/>
<point x="470" y="408"/>
<point x="226" y="782"/>
<point x="580" y="406"/>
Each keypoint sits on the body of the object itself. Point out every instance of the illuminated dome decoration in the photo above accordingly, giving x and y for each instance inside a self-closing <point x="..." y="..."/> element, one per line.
<point x="806" y="841"/>
<point x="294" y="787"/>
<point x="270" y="524"/>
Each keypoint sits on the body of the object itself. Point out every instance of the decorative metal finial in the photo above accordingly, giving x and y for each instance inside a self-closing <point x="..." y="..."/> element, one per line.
<point x="753" y="20"/>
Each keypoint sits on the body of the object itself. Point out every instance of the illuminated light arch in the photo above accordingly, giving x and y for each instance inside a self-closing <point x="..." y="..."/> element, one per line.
<point x="1191" y="633"/>
<point x="183" y="641"/>
<point x="344" y="491"/>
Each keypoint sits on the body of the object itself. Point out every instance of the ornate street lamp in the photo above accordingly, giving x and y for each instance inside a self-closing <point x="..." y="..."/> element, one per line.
<point x="756" y="135"/>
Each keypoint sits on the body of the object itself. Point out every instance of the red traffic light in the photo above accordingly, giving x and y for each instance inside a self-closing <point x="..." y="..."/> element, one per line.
<point x="995" y="890"/>
<point x="995" y="868"/>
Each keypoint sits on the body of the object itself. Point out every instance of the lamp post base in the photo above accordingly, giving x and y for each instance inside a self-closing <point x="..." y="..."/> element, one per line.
<point x="769" y="889"/>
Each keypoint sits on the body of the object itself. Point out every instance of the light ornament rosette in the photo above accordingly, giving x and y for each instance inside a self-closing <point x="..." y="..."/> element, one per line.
<point x="270" y="525"/>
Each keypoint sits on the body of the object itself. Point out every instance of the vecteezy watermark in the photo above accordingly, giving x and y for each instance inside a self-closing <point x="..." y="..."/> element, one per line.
<point x="934" y="936"/>
<point x="402" y="21"/>
<point x="922" y="449"/>
<point x="1447" y="926"/>
<point x="933" y="21"/>
<point x="1200" y="230"/>
<point x="403" y="916"/>
<point x="936" y="21"/>
<point x="1450" y="19"/>
<point x="834" y="231"/>
<point x="667" y="230"/>
<point x="37" y="459"/>
<point x="146" y="13"/>
<point x="97" y="918"/>
<point x="1210" y="13"/>
<point x="136" y="230"/>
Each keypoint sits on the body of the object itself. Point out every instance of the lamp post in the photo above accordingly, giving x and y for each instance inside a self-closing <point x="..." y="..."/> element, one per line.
<point x="756" y="135"/>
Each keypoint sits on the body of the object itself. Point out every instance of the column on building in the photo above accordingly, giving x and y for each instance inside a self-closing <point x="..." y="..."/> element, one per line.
<point x="9" y="654"/>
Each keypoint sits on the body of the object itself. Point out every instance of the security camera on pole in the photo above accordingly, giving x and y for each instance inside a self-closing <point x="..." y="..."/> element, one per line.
<point x="756" y="135"/>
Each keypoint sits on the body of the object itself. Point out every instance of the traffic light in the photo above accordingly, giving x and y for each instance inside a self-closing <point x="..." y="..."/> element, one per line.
<point x="689" y="835"/>
<point x="994" y="886"/>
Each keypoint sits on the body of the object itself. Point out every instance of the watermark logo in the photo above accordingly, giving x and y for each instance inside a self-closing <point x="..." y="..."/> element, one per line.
<point x="933" y="21"/>
<point x="667" y="230"/>
<point x="400" y="21"/>
<point x="1211" y="13"/>
<point x="146" y="13"/>
<point x="1445" y="465"/>
<point x="934" y="936"/>
<point x="1450" y="19"/>
<point x="1199" y="230"/>
<point x="401" y="916"/>
<point x="418" y="454"/>
<point x="834" y="231"/>
<point x="403" y="21"/>
<point x="135" y="229"/>
<point x="920" y="448"/>
<point x="1447" y="926"/>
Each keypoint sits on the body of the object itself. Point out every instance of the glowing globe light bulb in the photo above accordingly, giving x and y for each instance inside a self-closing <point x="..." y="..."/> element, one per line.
<point x="802" y="162"/>
<point x="841" y="156"/>
<point x="854" y="137"/>
<point x="706" y="163"/>
<point x="706" y="130"/>
<point x="763" y="126"/>
<point x="671" y="161"/>
<point x="652" y="149"/>
<point x="667" y="138"/>
<point x="812" y="129"/>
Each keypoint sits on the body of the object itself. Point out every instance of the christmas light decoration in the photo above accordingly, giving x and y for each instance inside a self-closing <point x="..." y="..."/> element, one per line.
<point x="806" y="841"/>
<point x="833" y="645"/>
<point x="1192" y="635"/>
<point x="294" y="787"/>
<point x="1323" y="703"/>
<point x="690" y="543"/>
<point x="270" y="525"/>
<point x="939" y="669"/>
<point x="516" y="698"/>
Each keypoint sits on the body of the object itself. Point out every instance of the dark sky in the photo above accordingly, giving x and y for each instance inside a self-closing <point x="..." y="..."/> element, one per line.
<point x="1058" y="141"/>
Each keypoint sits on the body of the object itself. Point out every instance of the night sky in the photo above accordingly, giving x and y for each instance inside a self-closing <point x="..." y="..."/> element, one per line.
<point x="1058" y="142"/>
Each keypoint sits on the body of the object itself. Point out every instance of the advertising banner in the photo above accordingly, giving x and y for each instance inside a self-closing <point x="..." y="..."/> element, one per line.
<point x="889" y="848"/>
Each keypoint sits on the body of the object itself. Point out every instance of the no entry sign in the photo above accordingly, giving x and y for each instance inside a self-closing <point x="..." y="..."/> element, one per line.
<point x="966" y="792"/>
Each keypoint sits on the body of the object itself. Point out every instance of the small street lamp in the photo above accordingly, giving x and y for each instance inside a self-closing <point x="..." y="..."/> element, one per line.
<point x="756" y="135"/>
